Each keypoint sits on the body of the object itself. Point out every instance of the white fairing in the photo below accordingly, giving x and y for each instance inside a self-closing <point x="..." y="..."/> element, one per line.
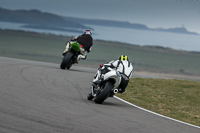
<point x="112" y="74"/>
<point x="97" y="76"/>
<point x="124" y="67"/>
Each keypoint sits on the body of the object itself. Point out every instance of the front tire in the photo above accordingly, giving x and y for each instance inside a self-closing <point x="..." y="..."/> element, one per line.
<point x="104" y="93"/>
<point x="66" y="60"/>
<point x="90" y="97"/>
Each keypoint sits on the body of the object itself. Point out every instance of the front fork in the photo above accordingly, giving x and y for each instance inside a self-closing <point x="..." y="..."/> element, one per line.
<point x="94" y="89"/>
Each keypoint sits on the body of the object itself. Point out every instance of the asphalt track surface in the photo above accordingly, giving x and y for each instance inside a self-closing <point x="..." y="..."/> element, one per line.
<point x="37" y="97"/>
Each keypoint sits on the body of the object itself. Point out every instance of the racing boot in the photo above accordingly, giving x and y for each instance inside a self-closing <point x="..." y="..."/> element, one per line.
<point x="111" y="94"/>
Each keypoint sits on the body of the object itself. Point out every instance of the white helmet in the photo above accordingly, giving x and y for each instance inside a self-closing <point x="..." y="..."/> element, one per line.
<point x="88" y="32"/>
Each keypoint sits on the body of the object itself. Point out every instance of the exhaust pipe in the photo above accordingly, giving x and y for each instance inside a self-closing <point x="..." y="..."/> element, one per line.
<point x="115" y="91"/>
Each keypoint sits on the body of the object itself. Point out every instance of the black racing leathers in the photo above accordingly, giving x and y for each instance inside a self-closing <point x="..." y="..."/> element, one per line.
<point x="85" y="40"/>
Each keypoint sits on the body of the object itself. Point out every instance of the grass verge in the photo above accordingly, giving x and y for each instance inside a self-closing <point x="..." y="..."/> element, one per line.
<point x="174" y="98"/>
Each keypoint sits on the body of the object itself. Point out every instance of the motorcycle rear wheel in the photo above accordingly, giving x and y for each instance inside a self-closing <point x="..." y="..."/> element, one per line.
<point x="66" y="61"/>
<point x="104" y="93"/>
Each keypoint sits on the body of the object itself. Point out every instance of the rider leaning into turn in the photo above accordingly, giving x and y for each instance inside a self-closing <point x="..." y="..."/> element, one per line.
<point x="124" y="67"/>
<point x="84" y="40"/>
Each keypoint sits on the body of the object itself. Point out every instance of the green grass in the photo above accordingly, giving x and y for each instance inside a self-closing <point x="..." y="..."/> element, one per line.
<point x="48" y="48"/>
<point x="32" y="46"/>
<point x="178" y="99"/>
<point x="151" y="59"/>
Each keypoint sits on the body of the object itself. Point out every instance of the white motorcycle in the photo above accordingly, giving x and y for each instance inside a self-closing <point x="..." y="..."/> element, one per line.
<point x="104" y="84"/>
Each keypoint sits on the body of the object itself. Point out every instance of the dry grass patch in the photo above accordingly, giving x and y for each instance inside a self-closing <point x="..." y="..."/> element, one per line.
<point x="179" y="99"/>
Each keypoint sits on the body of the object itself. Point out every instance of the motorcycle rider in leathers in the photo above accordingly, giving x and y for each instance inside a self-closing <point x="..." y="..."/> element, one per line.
<point x="85" y="40"/>
<point x="124" y="67"/>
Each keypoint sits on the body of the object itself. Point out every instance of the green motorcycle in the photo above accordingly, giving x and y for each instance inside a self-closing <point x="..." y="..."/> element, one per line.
<point x="70" y="57"/>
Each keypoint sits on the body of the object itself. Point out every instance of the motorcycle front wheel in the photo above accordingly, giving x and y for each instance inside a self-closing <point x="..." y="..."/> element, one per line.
<point x="104" y="93"/>
<point x="90" y="97"/>
<point x="66" y="61"/>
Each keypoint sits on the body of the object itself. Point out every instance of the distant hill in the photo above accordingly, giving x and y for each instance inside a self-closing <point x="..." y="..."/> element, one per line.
<point x="109" y="23"/>
<point x="48" y="21"/>
<point x="36" y="18"/>
<point x="177" y="30"/>
<point x="121" y="24"/>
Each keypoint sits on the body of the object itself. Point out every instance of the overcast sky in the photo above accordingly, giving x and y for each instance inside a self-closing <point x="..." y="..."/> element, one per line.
<point x="153" y="13"/>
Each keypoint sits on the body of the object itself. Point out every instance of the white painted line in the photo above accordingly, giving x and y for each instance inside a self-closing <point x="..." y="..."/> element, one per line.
<point x="155" y="113"/>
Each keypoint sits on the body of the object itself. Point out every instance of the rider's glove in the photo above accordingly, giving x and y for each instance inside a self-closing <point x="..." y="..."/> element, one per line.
<point x="100" y="66"/>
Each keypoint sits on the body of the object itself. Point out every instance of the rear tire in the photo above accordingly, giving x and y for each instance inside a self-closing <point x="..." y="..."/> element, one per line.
<point x="66" y="60"/>
<point x="104" y="93"/>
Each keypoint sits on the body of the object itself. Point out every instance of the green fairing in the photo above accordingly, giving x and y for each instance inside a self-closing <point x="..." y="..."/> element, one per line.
<point x="75" y="46"/>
